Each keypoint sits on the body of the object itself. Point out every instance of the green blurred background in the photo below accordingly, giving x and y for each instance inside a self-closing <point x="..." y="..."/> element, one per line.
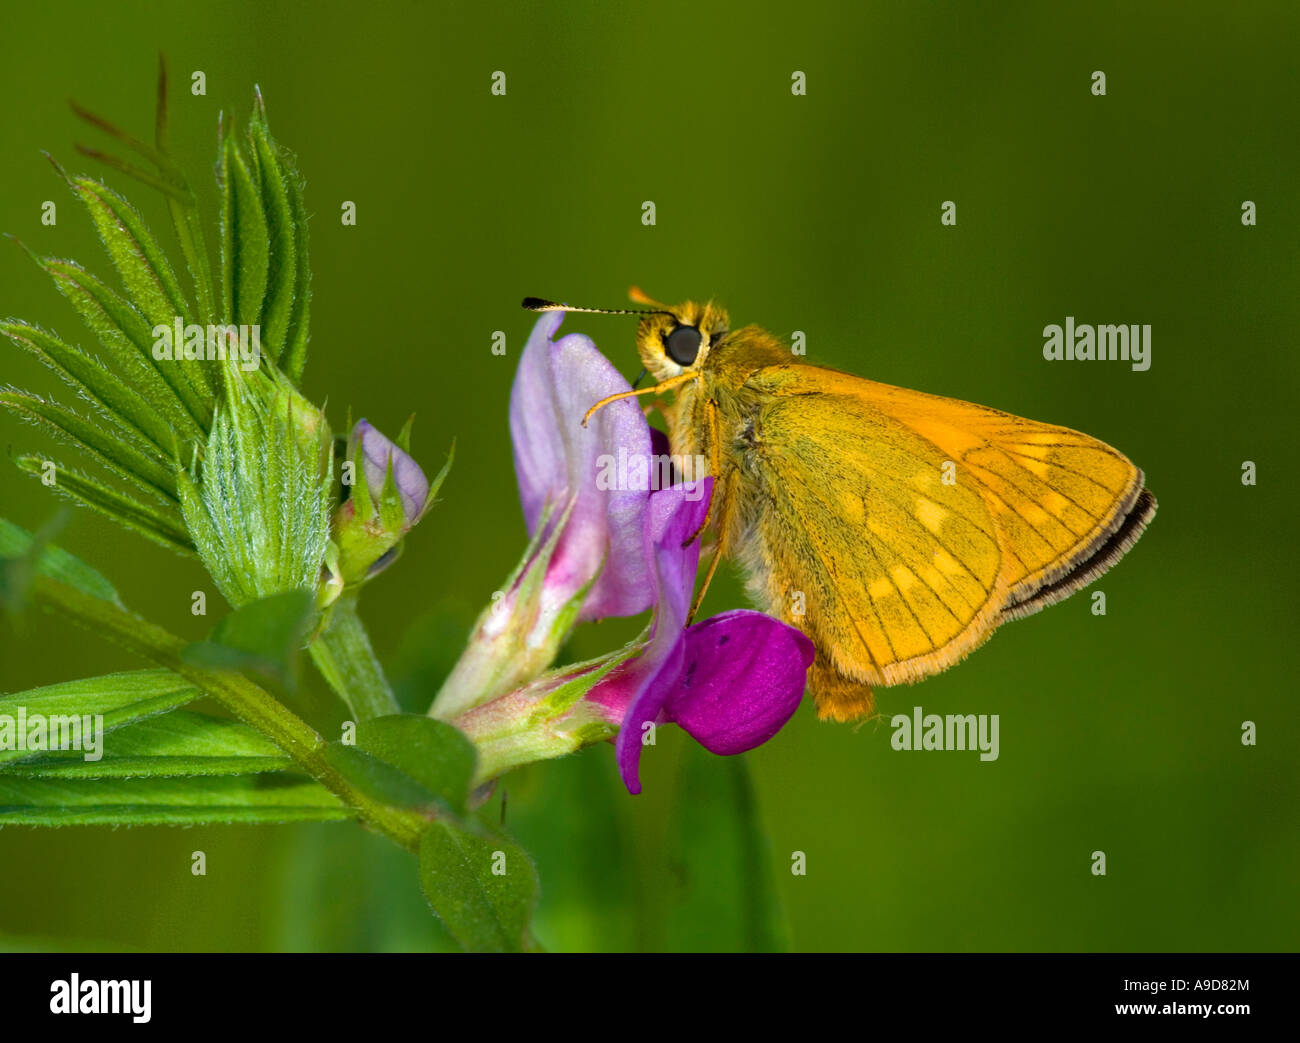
<point x="816" y="213"/>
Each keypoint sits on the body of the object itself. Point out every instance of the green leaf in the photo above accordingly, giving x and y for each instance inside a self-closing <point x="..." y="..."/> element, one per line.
<point x="117" y="453"/>
<point x="433" y="753"/>
<point x="166" y="802"/>
<point x="483" y="888"/>
<point x="245" y="254"/>
<point x="171" y="183"/>
<point x="293" y="359"/>
<point x="262" y="636"/>
<point x="96" y="382"/>
<point x="282" y="259"/>
<point x="118" y="698"/>
<point x="146" y="273"/>
<point x="345" y="658"/>
<point x="126" y="335"/>
<point x="726" y="897"/>
<point x="23" y="554"/>
<point x="180" y="743"/>
<point x="152" y="521"/>
<point x="379" y="780"/>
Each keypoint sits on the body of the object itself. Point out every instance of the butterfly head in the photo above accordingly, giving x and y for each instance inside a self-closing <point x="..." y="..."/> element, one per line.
<point x="676" y="339"/>
<point x="671" y="339"/>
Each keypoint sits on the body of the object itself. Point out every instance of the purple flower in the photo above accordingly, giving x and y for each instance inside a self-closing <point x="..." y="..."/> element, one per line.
<point x="731" y="682"/>
<point x="558" y="461"/>
<point x="608" y="547"/>
<point x="586" y="558"/>
<point x="368" y="526"/>
<point x="376" y="452"/>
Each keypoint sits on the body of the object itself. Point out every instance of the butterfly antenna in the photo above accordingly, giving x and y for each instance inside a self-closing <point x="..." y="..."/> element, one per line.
<point x="542" y="304"/>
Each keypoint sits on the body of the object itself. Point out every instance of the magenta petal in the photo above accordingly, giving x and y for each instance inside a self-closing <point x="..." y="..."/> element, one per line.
<point x="675" y="515"/>
<point x="376" y="449"/>
<point x="648" y="705"/>
<point x="557" y="459"/>
<point x="639" y="689"/>
<point x="742" y="677"/>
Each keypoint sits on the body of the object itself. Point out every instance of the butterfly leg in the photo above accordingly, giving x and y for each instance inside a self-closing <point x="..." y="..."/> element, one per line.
<point x="667" y="385"/>
<point x="715" y="468"/>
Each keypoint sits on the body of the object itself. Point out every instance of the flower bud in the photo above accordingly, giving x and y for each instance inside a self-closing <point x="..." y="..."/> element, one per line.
<point x="389" y="495"/>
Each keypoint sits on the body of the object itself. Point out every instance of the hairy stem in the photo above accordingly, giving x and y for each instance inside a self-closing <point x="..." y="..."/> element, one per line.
<point x="247" y="701"/>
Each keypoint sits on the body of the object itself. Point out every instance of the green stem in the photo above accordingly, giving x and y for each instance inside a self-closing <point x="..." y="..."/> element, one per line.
<point x="246" y="700"/>
<point x="343" y="655"/>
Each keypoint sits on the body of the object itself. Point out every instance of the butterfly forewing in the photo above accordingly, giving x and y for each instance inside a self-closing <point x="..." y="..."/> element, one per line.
<point x="915" y="524"/>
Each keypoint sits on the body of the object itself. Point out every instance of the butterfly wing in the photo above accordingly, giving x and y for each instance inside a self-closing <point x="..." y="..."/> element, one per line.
<point x="917" y="523"/>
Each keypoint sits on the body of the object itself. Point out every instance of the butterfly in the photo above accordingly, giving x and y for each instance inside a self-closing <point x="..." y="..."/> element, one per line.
<point x="897" y="529"/>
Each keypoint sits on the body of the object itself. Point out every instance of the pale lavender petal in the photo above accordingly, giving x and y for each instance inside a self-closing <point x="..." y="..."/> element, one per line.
<point x="673" y="518"/>
<point x="376" y="449"/>
<point x="556" y="459"/>
<point x="742" y="677"/>
<point x="539" y="453"/>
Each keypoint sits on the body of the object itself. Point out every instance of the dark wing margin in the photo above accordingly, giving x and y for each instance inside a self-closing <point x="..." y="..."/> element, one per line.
<point x="1094" y="562"/>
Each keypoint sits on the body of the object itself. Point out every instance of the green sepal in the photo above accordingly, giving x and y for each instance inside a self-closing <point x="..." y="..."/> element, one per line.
<point x="544" y="719"/>
<point x="392" y="515"/>
<point x="435" y="483"/>
<point x="403" y="439"/>
<point x="366" y="531"/>
<point x="258" y="505"/>
<point x="506" y="652"/>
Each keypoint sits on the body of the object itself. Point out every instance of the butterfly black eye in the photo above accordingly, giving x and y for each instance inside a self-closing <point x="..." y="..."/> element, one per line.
<point x="683" y="345"/>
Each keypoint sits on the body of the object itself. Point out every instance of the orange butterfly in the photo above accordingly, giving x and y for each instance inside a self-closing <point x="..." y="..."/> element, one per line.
<point x="896" y="529"/>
